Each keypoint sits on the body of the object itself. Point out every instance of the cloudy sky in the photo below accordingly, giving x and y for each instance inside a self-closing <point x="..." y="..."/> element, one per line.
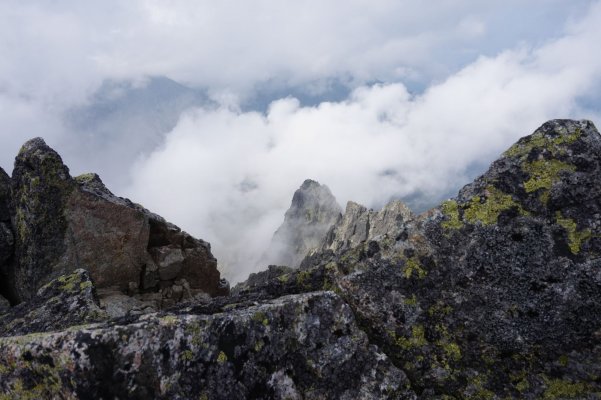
<point x="213" y="113"/>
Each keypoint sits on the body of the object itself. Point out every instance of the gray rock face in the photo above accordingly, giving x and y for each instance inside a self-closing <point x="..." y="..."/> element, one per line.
<point x="63" y="224"/>
<point x="303" y="346"/>
<point x="359" y="225"/>
<point x="41" y="187"/>
<point x="312" y="212"/>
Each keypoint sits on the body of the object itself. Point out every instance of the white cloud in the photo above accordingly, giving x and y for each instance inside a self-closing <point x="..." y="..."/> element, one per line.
<point x="378" y="144"/>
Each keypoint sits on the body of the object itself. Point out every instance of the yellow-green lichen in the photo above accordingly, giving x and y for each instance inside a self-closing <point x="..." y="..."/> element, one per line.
<point x="85" y="285"/>
<point x="261" y="318"/>
<point x="417" y="339"/>
<point x="284" y="278"/>
<point x="486" y="210"/>
<point x="480" y="392"/>
<point x="522" y="385"/>
<point x="439" y="309"/>
<point x="452" y="350"/>
<point x="84" y="178"/>
<point x="450" y="209"/>
<point x="221" y="357"/>
<point x="303" y="278"/>
<point x="543" y="174"/>
<point x="575" y="237"/>
<point x="168" y="320"/>
<point x="410" y="301"/>
<point x="563" y="389"/>
<point x="187" y="355"/>
<point x="412" y="266"/>
<point x="259" y="344"/>
<point x="563" y="360"/>
<point x="540" y="141"/>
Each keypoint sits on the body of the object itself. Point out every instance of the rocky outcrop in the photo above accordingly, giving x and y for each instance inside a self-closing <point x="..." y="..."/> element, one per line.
<point x="64" y="302"/>
<point x="494" y="294"/>
<point x="313" y="211"/>
<point x="303" y="346"/>
<point x="359" y="225"/>
<point x="62" y="224"/>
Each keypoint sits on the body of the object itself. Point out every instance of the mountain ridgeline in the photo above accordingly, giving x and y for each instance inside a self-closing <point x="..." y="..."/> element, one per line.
<point x="494" y="294"/>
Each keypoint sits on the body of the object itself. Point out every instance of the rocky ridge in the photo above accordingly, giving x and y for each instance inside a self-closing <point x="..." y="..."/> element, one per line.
<point x="495" y="294"/>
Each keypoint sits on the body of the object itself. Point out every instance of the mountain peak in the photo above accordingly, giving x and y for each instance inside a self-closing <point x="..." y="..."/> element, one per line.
<point x="311" y="214"/>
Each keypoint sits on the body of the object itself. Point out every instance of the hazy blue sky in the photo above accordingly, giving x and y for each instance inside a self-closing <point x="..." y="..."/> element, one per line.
<point x="212" y="113"/>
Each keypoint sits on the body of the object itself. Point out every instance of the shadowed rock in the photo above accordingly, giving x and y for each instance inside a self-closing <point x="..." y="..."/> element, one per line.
<point x="64" y="223"/>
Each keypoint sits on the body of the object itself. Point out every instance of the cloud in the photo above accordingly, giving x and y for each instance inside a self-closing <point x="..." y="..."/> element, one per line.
<point x="380" y="143"/>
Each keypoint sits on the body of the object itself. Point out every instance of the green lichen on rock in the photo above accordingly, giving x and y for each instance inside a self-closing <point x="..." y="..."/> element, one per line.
<point x="564" y="389"/>
<point x="85" y="178"/>
<point x="261" y="318"/>
<point x="450" y="210"/>
<point x="543" y="174"/>
<point x="575" y="237"/>
<point x="539" y="140"/>
<point x="412" y="265"/>
<point x="416" y="340"/>
<point x="486" y="209"/>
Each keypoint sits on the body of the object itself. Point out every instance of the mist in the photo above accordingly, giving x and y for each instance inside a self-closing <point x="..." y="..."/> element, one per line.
<point x="228" y="175"/>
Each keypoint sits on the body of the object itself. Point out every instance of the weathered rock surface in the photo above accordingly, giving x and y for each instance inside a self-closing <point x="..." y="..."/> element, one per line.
<point x="313" y="211"/>
<point x="304" y="346"/>
<point x="63" y="223"/>
<point x="66" y="301"/>
<point x="359" y="225"/>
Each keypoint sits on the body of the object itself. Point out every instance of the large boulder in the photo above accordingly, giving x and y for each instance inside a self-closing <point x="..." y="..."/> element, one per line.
<point x="63" y="224"/>
<point x="313" y="211"/>
<point x="297" y="347"/>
